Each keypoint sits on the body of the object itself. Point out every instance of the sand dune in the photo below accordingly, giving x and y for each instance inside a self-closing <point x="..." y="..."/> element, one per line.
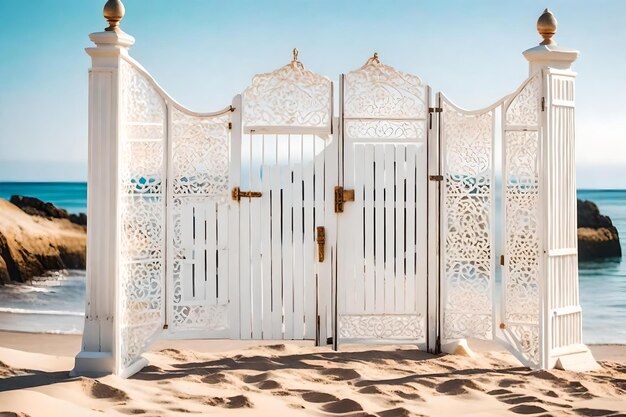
<point x="291" y="379"/>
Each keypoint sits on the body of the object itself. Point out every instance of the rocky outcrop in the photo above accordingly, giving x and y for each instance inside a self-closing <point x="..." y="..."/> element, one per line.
<point x="36" y="207"/>
<point x="32" y="244"/>
<point x="597" y="237"/>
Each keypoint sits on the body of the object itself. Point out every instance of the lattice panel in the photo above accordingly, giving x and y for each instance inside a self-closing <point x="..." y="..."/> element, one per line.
<point x="291" y="96"/>
<point x="468" y="199"/>
<point x="391" y="326"/>
<point x="142" y="213"/>
<point x="381" y="92"/>
<point x="198" y="202"/>
<point x="521" y="285"/>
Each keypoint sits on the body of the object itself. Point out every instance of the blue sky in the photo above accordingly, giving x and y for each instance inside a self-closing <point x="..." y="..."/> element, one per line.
<point x="205" y="52"/>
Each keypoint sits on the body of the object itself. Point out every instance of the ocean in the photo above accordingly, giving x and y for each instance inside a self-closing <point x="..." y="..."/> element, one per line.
<point x="55" y="304"/>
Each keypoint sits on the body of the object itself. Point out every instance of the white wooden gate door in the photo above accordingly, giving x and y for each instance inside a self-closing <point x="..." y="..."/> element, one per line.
<point x="287" y="154"/>
<point x="382" y="238"/>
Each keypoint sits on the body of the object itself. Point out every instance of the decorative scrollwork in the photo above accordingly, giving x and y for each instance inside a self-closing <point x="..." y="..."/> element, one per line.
<point x="389" y="326"/>
<point x="385" y="129"/>
<point x="290" y="96"/>
<point x="468" y="216"/>
<point x="142" y="212"/>
<point x="524" y="108"/>
<point x="379" y="91"/>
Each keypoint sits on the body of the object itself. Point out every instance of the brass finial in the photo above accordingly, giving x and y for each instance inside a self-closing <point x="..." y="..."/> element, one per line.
<point x="546" y="26"/>
<point x="294" y="62"/>
<point x="373" y="60"/>
<point x="113" y="12"/>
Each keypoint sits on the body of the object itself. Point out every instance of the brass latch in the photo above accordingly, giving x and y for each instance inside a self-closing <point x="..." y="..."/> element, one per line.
<point x="321" y="242"/>
<point x="236" y="193"/>
<point x="436" y="177"/>
<point x="341" y="196"/>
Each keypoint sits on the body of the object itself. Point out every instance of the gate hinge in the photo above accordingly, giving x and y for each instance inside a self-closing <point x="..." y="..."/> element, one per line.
<point x="435" y="110"/>
<point x="341" y="196"/>
<point x="165" y="326"/>
<point x="230" y="125"/>
<point x="435" y="177"/>
<point x="502" y="260"/>
<point x="543" y="104"/>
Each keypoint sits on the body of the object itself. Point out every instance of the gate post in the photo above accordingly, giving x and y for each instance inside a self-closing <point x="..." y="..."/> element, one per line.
<point x="561" y="316"/>
<point x="103" y="244"/>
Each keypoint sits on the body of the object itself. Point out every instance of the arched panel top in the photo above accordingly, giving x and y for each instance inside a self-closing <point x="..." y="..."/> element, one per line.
<point x="380" y="91"/>
<point x="290" y="97"/>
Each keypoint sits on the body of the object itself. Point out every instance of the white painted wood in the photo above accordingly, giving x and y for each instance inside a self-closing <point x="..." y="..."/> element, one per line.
<point x="363" y="294"/>
<point x="288" y="245"/>
<point x="298" y="259"/>
<point x="310" y="247"/>
<point x="400" y="287"/>
<point x="410" y="295"/>
<point x="322" y="272"/>
<point x="266" y="241"/>
<point x="277" y="273"/>
<point x="379" y="226"/>
<point x="366" y="228"/>
<point x="389" y="227"/>
<point x="233" y="235"/>
<point x="210" y="260"/>
<point x="223" y="266"/>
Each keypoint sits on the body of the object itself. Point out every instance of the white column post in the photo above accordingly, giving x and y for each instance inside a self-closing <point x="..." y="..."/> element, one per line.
<point x="99" y="336"/>
<point x="561" y="316"/>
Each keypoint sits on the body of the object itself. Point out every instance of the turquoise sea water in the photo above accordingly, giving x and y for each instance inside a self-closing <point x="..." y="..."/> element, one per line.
<point x="56" y="303"/>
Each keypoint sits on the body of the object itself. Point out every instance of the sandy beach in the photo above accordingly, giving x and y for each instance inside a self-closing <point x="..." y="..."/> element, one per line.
<point x="252" y="378"/>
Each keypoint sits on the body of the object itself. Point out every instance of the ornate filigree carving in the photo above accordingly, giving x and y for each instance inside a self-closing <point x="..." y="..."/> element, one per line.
<point x="142" y="213"/>
<point x="388" y="326"/>
<point x="524" y="109"/>
<point x="468" y="215"/>
<point x="380" y="91"/>
<point x="290" y="96"/>
<point x="385" y="129"/>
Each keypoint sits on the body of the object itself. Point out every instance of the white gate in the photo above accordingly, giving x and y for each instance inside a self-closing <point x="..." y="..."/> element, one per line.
<point x="381" y="250"/>
<point x="288" y="153"/>
<point x="272" y="219"/>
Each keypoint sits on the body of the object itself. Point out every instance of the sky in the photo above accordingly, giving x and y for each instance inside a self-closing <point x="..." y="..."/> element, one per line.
<point x="205" y="52"/>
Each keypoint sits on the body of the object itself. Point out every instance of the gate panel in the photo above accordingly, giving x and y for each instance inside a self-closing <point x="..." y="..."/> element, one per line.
<point x="468" y="207"/>
<point x="199" y="241"/>
<point x="382" y="258"/>
<point x="285" y="290"/>
<point x="521" y="282"/>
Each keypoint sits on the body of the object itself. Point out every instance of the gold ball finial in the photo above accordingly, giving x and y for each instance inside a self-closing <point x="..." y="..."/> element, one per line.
<point x="295" y="54"/>
<point x="546" y="26"/>
<point x="114" y="13"/>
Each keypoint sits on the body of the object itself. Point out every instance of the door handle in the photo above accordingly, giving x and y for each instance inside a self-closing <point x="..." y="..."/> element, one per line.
<point x="321" y="243"/>
<point x="236" y="193"/>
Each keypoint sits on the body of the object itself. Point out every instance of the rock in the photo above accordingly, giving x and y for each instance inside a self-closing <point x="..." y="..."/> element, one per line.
<point x="597" y="237"/>
<point x="31" y="245"/>
<point x="36" y="207"/>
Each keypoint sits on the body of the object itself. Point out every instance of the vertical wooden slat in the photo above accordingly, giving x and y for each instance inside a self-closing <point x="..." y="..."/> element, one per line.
<point x="349" y="273"/>
<point x="379" y="226"/>
<point x="245" y="259"/>
<point x="257" y="219"/>
<point x="287" y="250"/>
<point x="277" y="218"/>
<point x="364" y="291"/>
<point x="188" y="251"/>
<point x="309" y="241"/>
<point x="223" y="250"/>
<point x="411" y="245"/>
<point x="399" y="229"/>
<point x="366" y="228"/>
<point x="323" y="273"/>
<point x="390" y="261"/>
<point x="210" y="279"/>
<point x="266" y="244"/>
<point x="298" y="243"/>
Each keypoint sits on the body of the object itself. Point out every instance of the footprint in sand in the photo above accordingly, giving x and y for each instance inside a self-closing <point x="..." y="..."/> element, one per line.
<point x="253" y="379"/>
<point x="341" y="374"/>
<point x="499" y="392"/>
<point x="372" y="389"/>
<point x="318" y="397"/>
<point x="508" y="382"/>
<point x="12" y="414"/>
<point x="456" y="386"/>
<point x="395" y="412"/>
<point x="132" y="411"/>
<point x="343" y="406"/>
<point x="268" y="384"/>
<point x="590" y="412"/>
<point x="413" y="396"/>
<point x="238" y="401"/>
<point x="216" y="378"/>
<point x="97" y="389"/>
<point x="527" y="409"/>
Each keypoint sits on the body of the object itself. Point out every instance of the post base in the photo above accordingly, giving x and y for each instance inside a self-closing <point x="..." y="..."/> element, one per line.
<point x="458" y="347"/>
<point x="579" y="360"/>
<point x="92" y="364"/>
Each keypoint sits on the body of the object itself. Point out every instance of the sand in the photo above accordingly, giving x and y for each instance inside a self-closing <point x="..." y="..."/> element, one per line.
<point x="236" y="378"/>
